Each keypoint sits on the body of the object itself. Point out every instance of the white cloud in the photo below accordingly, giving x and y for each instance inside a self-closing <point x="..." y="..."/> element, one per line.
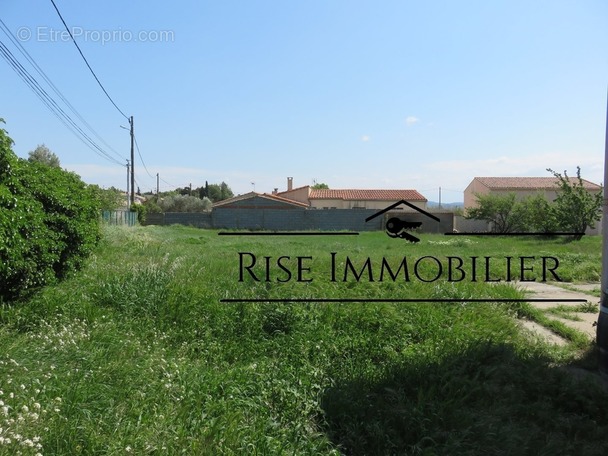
<point x="366" y="138"/>
<point x="411" y="120"/>
<point x="532" y="165"/>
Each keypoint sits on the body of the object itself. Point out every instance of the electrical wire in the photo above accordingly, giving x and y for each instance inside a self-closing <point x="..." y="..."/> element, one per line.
<point x="98" y="81"/>
<point x="86" y="61"/>
<point x="141" y="158"/>
<point x="51" y="104"/>
<point x="41" y="72"/>
<point x="170" y="185"/>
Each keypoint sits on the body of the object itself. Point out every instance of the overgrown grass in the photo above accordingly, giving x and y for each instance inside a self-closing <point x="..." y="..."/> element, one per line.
<point x="136" y="354"/>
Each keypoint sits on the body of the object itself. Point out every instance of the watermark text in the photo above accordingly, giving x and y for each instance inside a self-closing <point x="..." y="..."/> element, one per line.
<point x="80" y="34"/>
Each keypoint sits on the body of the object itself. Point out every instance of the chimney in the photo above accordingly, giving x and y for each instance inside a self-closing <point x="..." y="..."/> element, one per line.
<point x="289" y="184"/>
<point x="275" y="191"/>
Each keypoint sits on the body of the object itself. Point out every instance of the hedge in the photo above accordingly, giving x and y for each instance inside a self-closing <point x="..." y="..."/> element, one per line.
<point x="49" y="223"/>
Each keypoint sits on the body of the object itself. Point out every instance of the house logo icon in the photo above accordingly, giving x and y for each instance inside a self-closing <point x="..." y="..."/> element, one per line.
<point x="397" y="227"/>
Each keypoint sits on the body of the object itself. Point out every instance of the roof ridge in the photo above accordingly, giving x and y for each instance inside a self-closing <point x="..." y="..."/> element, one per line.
<point x="523" y="182"/>
<point x="367" y="194"/>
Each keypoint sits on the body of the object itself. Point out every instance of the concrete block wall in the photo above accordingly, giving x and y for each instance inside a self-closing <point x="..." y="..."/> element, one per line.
<point x="471" y="226"/>
<point x="318" y="219"/>
<point x="429" y="225"/>
<point x="297" y="220"/>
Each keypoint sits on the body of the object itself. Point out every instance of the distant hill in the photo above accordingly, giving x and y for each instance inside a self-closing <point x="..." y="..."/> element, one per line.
<point x="435" y="204"/>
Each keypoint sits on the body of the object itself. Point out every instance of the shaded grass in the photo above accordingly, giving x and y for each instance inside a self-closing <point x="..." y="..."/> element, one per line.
<point x="472" y="401"/>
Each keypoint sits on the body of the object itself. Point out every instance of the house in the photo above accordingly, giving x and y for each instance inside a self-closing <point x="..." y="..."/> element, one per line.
<point x="520" y="186"/>
<point x="363" y="199"/>
<point x="254" y="200"/>
<point x="351" y="198"/>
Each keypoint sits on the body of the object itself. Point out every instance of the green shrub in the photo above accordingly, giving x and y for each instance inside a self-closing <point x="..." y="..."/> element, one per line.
<point x="141" y="210"/>
<point x="152" y="206"/>
<point x="184" y="203"/>
<point x="49" y="222"/>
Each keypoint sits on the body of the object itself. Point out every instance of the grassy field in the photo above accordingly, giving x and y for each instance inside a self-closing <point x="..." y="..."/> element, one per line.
<point x="136" y="354"/>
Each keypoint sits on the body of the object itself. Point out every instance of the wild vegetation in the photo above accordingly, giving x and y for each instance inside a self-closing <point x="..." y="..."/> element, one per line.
<point x="49" y="222"/>
<point x="138" y="354"/>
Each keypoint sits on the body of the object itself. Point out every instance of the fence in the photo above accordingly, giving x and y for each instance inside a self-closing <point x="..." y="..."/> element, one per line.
<point x="298" y="219"/>
<point x="317" y="219"/>
<point x="127" y="218"/>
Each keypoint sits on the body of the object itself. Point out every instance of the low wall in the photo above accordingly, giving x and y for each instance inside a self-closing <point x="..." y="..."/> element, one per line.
<point x="470" y="226"/>
<point x="298" y="220"/>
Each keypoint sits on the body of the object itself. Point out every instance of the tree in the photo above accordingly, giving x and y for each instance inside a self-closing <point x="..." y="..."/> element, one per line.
<point x="500" y="210"/>
<point x="184" y="203"/>
<point x="535" y="214"/>
<point x="49" y="222"/>
<point x="219" y="192"/>
<point x="43" y="154"/>
<point x="187" y="190"/>
<point x="152" y="206"/>
<point x="204" y="191"/>
<point x="576" y="208"/>
<point x="319" y="186"/>
<point x="109" y="199"/>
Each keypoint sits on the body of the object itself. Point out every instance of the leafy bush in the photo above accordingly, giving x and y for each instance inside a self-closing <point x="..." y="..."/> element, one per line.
<point x="110" y="199"/>
<point x="152" y="206"/>
<point x="49" y="222"/>
<point x="576" y="207"/>
<point x="141" y="210"/>
<point x="500" y="210"/>
<point x="535" y="214"/>
<point x="184" y="203"/>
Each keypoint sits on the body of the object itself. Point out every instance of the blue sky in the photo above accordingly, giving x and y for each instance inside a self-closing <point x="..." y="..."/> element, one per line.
<point x="355" y="94"/>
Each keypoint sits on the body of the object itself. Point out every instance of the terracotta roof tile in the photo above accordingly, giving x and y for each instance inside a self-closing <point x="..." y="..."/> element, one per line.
<point x="527" y="183"/>
<point x="366" y="195"/>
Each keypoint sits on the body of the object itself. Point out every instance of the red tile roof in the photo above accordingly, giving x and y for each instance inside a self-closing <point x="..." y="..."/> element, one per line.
<point x="529" y="183"/>
<point x="366" y="195"/>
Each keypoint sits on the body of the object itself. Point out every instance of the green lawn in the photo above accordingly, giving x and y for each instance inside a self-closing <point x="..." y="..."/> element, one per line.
<point x="138" y="354"/>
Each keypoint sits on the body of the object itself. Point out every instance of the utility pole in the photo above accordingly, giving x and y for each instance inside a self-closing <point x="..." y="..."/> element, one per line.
<point x="128" y="199"/>
<point x="602" y="322"/>
<point x="132" y="162"/>
<point x="439" y="197"/>
<point x="157" y="185"/>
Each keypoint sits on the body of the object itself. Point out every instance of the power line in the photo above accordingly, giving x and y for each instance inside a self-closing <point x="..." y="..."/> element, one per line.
<point x="86" y="61"/>
<point x="141" y="158"/>
<point x="170" y="185"/>
<point x="51" y="104"/>
<point x="41" y="72"/>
